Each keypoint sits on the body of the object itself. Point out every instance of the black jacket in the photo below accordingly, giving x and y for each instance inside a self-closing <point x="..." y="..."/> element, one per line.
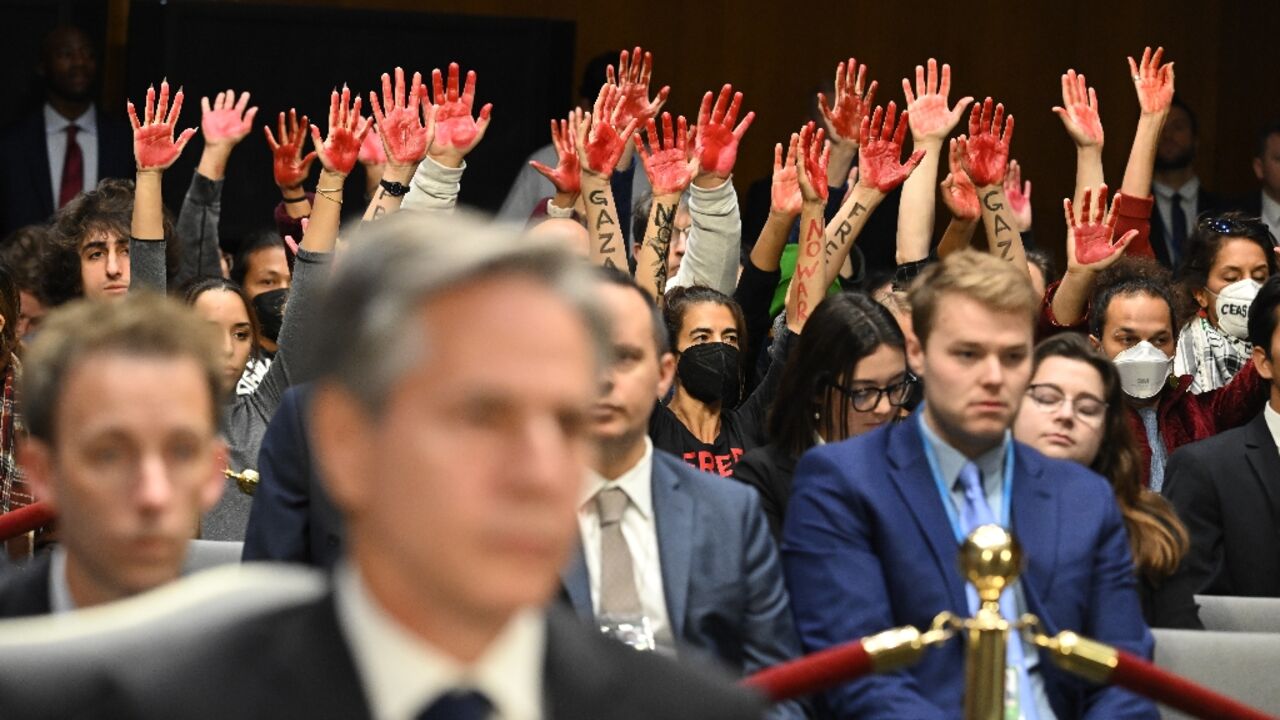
<point x="1226" y="489"/>
<point x="24" y="591"/>
<point x="295" y="663"/>
<point x="769" y="469"/>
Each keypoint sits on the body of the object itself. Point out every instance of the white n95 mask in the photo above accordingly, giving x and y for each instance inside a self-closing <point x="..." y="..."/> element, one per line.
<point x="1233" y="304"/>
<point x="1143" y="370"/>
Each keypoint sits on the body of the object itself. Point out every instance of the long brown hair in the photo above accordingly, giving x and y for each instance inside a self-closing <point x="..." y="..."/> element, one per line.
<point x="1157" y="538"/>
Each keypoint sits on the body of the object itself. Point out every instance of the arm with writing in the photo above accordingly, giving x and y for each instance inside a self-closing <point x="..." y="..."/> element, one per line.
<point x="880" y="170"/>
<point x="715" y="238"/>
<point x="961" y="198"/>
<point x="931" y="121"/>
<point x="438" y="178"/>
<point x="1090" y="250"/>
<point x="1154" y="84"/>
<point x="1079" y="113"/>
<point x="404" y="136"/>
<point x="669" y="165"/>
<point x="154" y="150"/>
<point x="809" y="284"/>
<point x="985" y="156"/>
<point x="600" y="147"/>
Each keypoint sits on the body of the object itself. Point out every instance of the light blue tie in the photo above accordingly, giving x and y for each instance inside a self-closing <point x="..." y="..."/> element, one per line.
<point x="1151" y="422"/>
<point x="977" y="512"/>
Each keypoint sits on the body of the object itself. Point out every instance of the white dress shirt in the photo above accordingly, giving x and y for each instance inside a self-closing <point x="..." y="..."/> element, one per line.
<point x="1273" y="423"/>
<point x="641" y="533"/>
<point x="55" y="127"/>
<point x="1271" y="215"/>
<point x="402" y="675"/>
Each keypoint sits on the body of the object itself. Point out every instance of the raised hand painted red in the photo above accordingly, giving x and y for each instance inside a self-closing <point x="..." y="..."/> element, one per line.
<point x="717" y="138"/>
<point x="227" y="120"/>
<point x="814" y="154"/>
<point x="1090" y="236"/>
<point x="958" y="192"/>
<point x="154" y="147"/>
<point x="927" y="106"/>
<point x="985" y="153"/>
<point x="1079" y="110"/>
<point x="632" y="80"/>
<point x="565" y="175"/>
<point x="784" y="192"/>
<point x="667" y="162"/>
<point x="287" y="163"/>
<point x="879" y="165"/>
<point x="844" y="119"/>
<point x="1153" y="81"/>
<point x="404" y="136"/>
<point x="347" y="130"/>
<point x="456" y="131"/>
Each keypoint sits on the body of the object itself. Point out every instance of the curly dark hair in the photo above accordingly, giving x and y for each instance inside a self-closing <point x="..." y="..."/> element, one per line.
<point x="108" y="208"/>
<point x="23" y="254"/>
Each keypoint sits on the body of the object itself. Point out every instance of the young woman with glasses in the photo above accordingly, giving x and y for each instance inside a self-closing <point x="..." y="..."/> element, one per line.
<point x="847" y="375"/>
<point x="1073" y="403"/>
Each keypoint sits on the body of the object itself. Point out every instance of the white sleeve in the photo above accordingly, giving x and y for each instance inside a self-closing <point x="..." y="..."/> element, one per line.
<point x="434" y="187"/>
<point x="715" y="240"/>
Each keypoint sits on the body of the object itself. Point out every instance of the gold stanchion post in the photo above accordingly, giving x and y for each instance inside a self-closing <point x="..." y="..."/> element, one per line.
<point x="990" y="559"/>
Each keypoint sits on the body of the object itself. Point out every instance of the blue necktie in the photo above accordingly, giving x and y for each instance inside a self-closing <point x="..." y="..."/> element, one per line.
<point x="977" y="512"/>
<point x="458" y="706"/>
<point x="1151" y="422"/>
<point x="1177" y="230"/>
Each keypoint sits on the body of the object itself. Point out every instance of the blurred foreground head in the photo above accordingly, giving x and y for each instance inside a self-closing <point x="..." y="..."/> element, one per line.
<point x="121" y="402"/>
<point x="458" y="365"/>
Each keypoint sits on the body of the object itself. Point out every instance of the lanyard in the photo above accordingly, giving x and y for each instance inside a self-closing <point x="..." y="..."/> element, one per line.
<point x="948" y="502"/>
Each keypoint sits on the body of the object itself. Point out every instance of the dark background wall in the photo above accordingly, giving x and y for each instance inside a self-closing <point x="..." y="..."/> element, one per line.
<point x="529" y="56"/>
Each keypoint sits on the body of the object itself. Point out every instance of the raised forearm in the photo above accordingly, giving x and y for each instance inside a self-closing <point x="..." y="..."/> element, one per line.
<point x="1003" y="240"/>
<point x="383" y="203"/>
<point x="1072" y="297"/>
<point x="957" y="236"/>
<point x="844" y="228"/>
<point x="767" y="252"/>
<point x="213" y="161"/>
<point x="651" y="258"/>
<point x="916" y="208"/>
<point x="602" y="223"/>
<point x="1088" y="170"/>
<point x="1142" y="156"/>
<point x="810" y="276"/>
<point x="326" y="216"/>
<point x="148" y="206"/>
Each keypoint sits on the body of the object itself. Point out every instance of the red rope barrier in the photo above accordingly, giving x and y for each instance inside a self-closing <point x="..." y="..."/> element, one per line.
<point x="24" y="520"/>
<point x="1134" y="673"/>
<point x="812" y="673"/>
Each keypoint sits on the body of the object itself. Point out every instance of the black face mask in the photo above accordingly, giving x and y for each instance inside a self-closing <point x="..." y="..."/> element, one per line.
<point x="709" y="371"/>
<point x="269" y="307"/>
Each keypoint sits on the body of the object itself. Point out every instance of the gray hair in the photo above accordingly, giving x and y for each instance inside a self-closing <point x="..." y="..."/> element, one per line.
<point x="369" y="337"/>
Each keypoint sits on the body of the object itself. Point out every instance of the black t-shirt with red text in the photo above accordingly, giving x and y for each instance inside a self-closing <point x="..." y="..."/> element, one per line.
<point x="741" y="429"/>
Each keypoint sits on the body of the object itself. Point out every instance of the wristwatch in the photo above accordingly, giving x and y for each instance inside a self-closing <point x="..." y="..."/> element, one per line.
<point x="394" y="189"/>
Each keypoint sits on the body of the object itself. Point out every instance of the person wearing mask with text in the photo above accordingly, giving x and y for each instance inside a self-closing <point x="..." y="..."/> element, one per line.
<point x="1228" y="258"/>
<point x="874" y="524"/>
<point x="1225" y="487"/>
<point x="1073" y="404"/>
<point x="1132" y="319"/>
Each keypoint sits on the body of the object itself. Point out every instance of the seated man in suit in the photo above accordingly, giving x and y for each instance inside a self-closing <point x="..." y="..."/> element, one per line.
<point x="871" y="535"/>
<point x="1226" y="489"/>
<point x="683" y="557"/>
<point x="457" y="462"/>
<point x="292" y="518"/>
<point x="122" y="407"/>
<point x="1265" y="203"/>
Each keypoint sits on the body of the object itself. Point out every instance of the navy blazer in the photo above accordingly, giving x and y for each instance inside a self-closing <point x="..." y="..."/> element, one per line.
<point x="867" y="546"/>
<point x="26" y="190"/>
<point x="720" y="572"/>
<point x="292" y="518"/>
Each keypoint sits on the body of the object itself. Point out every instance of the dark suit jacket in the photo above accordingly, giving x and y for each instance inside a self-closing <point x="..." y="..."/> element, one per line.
<point x="292" y="518"/>
<point x="24" y="591"/>
<point x="769" y="469"/>
<point x="295" y="663"/>
<point x="1227" y="491"/>
<point x="1206" y="202"/>
<point x="867" y="545"/>
<point x="26" y="190"/>
<point x="720" y="571"/>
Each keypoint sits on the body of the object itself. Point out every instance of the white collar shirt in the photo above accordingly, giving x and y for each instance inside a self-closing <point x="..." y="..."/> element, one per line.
<point x="1272" y="418"/>
<point x="1271" y="215"/>
<point x="402" y="674"/>
<point x="55" y="127"/>
<point x="639" y="529"/>
<point x="1190" y="194"/>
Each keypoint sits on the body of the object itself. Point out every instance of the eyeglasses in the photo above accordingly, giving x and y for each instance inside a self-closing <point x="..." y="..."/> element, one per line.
<point x="865" y="399"/>
<point x="1233" y="226"/>
<point x="1049" y="398"/>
